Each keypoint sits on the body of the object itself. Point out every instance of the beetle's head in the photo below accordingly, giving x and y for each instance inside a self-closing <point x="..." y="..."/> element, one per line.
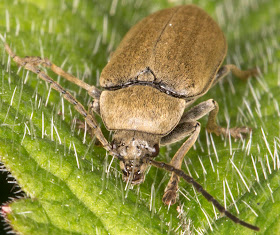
<point x="134" y="149"/>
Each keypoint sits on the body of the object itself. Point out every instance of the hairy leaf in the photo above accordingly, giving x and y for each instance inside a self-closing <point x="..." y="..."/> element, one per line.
<point x="74" y="186"/>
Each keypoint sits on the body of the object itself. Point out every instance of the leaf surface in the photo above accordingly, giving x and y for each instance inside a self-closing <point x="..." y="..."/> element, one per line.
<point x="75" y="187"/>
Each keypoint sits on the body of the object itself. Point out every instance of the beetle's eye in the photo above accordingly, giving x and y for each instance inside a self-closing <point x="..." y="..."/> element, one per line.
<point x="156" y="147"/>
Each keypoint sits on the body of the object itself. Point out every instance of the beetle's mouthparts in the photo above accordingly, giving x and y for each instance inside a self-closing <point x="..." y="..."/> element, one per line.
<point x="134" y="149"/>
<point x="133" y="172"/>
<point x="133" y="177"/>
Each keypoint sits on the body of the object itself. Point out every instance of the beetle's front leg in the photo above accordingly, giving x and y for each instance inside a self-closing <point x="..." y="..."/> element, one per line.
<point x="212" y="126"/>
<point x="169" y="197"/>
<point x="188" y="125"/>
<point x="35" y="61"/>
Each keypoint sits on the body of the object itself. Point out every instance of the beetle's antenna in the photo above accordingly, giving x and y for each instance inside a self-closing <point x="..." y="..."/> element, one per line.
<point x="200" y="189"/>
<point x="90" y="119"/>
<point x="71" y="99"/>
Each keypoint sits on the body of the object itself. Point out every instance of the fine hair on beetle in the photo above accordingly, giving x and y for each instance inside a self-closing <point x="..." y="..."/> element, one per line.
<point x="161" y="67"/>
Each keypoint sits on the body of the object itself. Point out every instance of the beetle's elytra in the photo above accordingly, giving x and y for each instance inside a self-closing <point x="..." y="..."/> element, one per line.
<point x="178" y="50"/>
<point x="163" y="64"/>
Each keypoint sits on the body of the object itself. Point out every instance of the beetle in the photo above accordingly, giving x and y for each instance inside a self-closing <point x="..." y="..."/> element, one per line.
<point x="164" y="63"/>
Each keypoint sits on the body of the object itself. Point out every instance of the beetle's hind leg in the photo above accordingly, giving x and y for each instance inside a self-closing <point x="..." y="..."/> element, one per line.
<point x="241" y="74"/>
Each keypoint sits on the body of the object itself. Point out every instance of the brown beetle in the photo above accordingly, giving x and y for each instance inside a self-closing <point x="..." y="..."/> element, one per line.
<point x="163" y="64"/>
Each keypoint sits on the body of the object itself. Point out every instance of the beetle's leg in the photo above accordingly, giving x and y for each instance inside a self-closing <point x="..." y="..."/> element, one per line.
<point x="212" y="126"/>
<point x="242" y="74"/>
<point x="36" y="61"/>
<point x="170" y="192"/>
<point x="187" y="127"/>
<point x="183" y="129"/>
<point x="90" y="119"/>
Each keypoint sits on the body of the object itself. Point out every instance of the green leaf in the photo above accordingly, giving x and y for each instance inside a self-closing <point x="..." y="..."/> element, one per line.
<point x="75" y="187"/>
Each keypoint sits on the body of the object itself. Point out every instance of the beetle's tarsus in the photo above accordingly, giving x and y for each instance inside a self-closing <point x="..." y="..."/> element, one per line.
<point x="170" y="193"/>
<point x="213" y="127"/>
<point x="235" y="132"/>
<point x="169" y="197"/>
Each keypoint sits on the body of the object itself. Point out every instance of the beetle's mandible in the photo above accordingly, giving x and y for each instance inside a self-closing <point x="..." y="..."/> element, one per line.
<point x="164" y="63"/>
